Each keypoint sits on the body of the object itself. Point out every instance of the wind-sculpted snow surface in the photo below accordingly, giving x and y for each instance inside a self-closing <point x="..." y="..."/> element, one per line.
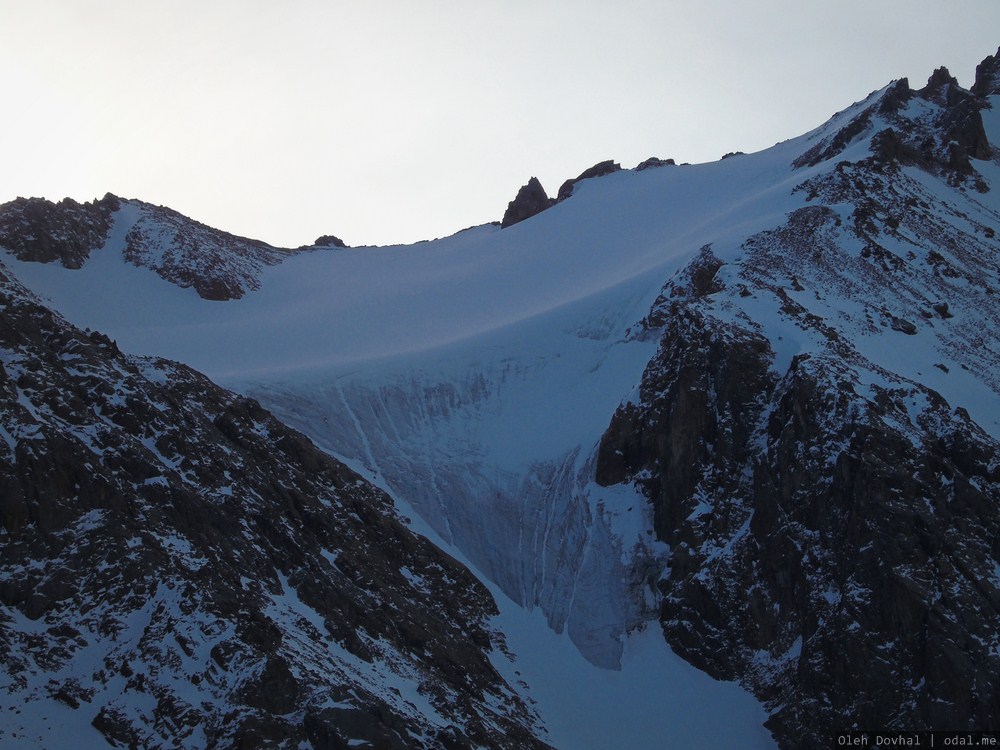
<point x="797" y="353"/>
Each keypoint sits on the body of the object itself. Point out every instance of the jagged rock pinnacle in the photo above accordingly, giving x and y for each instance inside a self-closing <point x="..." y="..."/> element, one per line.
<point x="942" y="87"/>
<point x="988" y="76"/>
<point x="530" y="200"/>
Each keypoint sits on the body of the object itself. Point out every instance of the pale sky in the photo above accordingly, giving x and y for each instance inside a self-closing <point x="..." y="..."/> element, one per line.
<point x="386" y="121"/>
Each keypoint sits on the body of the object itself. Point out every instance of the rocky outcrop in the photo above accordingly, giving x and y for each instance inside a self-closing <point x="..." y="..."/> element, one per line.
<point x="653" y="162"/>
<point x="184" y="570"/>
<point x="598" y="170"/>
<point x="34" y="229"/>
<point x="943" y="139"/>
<point x="987" y="81"/>
<point x="329" y="240"/>
<point x="942" y="88"/>
<point x="531" y="199"/>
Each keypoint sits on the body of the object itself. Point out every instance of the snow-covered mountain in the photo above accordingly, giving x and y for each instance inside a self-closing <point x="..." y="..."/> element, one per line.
<point x="754" y="402"/>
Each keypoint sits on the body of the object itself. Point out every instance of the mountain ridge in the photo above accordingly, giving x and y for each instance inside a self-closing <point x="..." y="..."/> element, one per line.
<point x="754" y="402"/>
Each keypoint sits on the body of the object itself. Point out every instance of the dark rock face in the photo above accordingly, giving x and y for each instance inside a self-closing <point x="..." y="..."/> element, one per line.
<point x="987" y="76"/>
<point x="177" y="564"/>
<point x="530" y="200"/>
<point x="942" y="88"/>
<point x="35" y="229"/>
<point x="328" y="240"/>
<point x="840" y="568"/>
<point x="653" y="162"/>
<point x="832" y="522"/>
<point x="598" y="170"/>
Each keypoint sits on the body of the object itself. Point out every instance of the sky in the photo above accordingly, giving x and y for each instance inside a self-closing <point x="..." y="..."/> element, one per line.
<point x="394" y="121"/>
